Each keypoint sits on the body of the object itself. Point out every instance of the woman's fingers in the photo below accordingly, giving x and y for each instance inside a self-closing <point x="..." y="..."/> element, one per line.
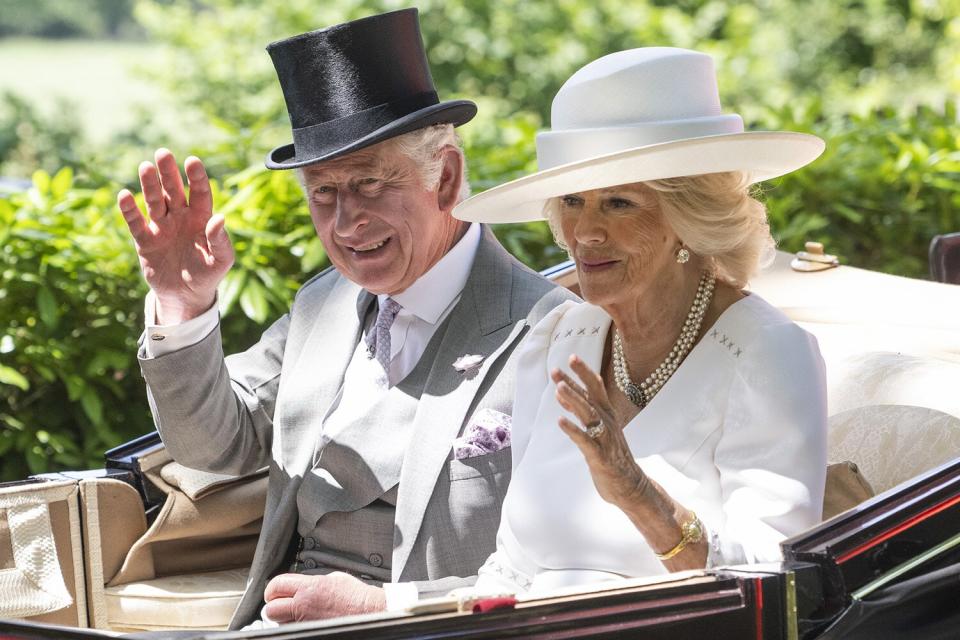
<point x="170" y="179"/>
<point x="576" y="404"/>
<point x="591" y="380"/>
<point x="584" y="442"/>
<point x="558" y="376"/>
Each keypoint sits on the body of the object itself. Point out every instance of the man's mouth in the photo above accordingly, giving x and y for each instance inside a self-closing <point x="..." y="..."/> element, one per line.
<point x="369" y="247"/>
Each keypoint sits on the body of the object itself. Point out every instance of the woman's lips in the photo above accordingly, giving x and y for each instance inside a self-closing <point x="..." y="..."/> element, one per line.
<point x="596" y="264"/>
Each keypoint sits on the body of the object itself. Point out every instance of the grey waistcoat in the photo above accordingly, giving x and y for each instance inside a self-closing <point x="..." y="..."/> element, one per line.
<point x="347" y="501"/>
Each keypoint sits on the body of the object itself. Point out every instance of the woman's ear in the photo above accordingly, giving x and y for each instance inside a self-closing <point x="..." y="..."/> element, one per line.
<point x="451" y="178"/>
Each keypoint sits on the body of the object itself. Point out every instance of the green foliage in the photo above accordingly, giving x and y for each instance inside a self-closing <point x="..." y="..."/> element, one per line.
<point x="885" y="186"/>
<point x="70" y="288"/>
<point x="30" y="141"/>
<point x="70" y="299"/>
<point x="54" y="18"/>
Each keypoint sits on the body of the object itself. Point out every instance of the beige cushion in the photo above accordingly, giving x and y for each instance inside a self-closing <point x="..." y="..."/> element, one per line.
<point x="41" y="571"/>
<point x="195" y="601"/>
<point x="891" y="444"/>
<point x="846" y="488"/>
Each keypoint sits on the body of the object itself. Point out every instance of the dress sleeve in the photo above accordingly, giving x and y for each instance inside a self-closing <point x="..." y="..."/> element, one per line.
<point x="507" y="570"/>
<point x="772" y="454"/>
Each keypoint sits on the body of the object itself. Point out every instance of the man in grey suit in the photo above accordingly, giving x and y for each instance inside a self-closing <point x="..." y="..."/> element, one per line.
<point x="380" y="402"/>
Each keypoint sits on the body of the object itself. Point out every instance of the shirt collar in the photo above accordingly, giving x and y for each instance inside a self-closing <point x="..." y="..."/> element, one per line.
<point x="430" y="295"/>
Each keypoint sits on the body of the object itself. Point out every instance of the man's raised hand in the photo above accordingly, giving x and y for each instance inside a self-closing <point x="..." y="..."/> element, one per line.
<point x="184" y="249"/>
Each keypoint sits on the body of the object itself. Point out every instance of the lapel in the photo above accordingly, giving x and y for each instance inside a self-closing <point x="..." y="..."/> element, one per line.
<point x="318" y="374"/>
<point x="480" y="324"/>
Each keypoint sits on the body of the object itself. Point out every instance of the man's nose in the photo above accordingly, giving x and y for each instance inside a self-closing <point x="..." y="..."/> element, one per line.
<point x="351" y="216"/>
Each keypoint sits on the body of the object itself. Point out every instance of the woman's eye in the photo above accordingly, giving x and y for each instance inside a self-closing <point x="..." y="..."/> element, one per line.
<point x="570" y="201"/>
<point x="619" y="203"/>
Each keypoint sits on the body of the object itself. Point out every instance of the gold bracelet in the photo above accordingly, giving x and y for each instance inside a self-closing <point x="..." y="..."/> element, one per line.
<point x="691" y="532"/>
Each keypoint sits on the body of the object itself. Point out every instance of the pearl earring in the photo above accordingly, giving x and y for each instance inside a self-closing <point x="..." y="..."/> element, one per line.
<point x="683" y="255"/>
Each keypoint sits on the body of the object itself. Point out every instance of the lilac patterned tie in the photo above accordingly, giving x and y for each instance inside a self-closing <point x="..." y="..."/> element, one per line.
<point x="378" y="339"/>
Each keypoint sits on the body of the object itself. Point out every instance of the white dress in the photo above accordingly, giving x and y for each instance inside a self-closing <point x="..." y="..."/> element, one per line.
<point x="737" y="434"/>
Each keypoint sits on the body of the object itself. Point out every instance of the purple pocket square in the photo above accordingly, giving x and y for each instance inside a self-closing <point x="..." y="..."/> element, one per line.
<point x="488" y="432"/>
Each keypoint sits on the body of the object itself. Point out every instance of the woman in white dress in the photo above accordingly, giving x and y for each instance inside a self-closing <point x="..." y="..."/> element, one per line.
<point x="674" y="420"/>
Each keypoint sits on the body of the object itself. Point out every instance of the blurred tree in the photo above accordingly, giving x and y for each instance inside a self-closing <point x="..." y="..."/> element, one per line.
<point x="77" y="18"/>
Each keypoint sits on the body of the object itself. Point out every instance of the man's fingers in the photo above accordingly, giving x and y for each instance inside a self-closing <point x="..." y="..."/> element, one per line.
<point x="132" y="215"/>
<point x="170" y="178"/>
<point x="284" y="585"/>
<point x="152" y="191"/>
<point x="218" y="240"/>
<point x="201" y="199"/>
<point x="280" y="610"/>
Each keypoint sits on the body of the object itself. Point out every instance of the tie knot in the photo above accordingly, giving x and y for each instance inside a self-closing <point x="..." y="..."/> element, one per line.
<point x="378" y="338"/>
<point x="390" y="310"/>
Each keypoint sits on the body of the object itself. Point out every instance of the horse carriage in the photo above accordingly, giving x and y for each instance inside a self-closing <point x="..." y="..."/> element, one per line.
<point x="149" y="548"/>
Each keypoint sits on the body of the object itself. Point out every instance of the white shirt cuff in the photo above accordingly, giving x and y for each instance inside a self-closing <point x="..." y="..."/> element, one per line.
<point x="163" y="339"/>
<point x="400" y="595"/>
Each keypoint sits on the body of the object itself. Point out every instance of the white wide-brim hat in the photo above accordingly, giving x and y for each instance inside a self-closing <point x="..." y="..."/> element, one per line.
<point x="637" y="115"/>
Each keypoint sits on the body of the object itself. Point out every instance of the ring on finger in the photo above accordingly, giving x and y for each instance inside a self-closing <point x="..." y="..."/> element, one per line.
<point x="594" y="429"/>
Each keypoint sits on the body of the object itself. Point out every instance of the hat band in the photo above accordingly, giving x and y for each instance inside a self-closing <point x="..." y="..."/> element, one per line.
<point x="328" y="137"/>
<point x="555" y="148"/>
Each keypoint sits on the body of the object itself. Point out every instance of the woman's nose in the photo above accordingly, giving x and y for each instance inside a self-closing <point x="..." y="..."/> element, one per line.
<point x="590" y="228"/>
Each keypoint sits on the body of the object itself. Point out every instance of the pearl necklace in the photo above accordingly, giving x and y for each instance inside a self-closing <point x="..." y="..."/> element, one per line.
<point x="643" y="394"/>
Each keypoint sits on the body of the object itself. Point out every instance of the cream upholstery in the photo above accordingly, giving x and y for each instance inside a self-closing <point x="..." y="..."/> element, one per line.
<point x="892" y="443"/>
<point x="41" y="572"/>
<point x="192" y="601"/>
<point x="892" y="351"/>
<point x="185" y="570"/>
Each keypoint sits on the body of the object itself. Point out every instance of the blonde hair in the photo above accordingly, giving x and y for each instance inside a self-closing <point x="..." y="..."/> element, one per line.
<point x="716" y="216"/>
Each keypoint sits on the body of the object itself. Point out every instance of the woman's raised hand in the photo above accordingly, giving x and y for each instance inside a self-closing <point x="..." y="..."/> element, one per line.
<point x="617" y="476"/>
<point x="184" y="249"/>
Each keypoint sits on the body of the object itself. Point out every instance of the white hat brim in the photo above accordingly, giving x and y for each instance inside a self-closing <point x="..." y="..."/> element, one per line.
<point x="761" y="154"/>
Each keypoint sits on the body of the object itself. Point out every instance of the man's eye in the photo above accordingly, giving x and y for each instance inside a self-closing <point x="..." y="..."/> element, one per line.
<point x="323" y="189"/>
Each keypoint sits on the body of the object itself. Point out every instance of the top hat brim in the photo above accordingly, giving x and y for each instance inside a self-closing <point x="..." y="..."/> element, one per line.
<point x="455" y="112"/>
<point x="761" y="154"/>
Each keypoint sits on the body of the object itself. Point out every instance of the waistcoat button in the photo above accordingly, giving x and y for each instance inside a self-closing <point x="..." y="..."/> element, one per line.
<point x="310" y="563"/>
<point x="309" y="543"/>
<point x="375" y="559"/>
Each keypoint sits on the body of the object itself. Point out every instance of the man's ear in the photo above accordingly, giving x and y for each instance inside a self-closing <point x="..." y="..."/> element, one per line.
<point x="451" y="178"/>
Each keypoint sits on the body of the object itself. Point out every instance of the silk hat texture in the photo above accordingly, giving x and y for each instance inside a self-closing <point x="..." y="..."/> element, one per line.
<point x="355" y="84"/>
<point x="636" y="115"/>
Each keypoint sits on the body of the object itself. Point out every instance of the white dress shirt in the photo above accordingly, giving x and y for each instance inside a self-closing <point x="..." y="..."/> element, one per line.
<point x="737" y="434"/>
<point x="426" y="303"/>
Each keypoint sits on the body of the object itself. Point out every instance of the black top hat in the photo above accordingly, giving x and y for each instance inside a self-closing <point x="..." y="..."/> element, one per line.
<point x="356" y="84"/>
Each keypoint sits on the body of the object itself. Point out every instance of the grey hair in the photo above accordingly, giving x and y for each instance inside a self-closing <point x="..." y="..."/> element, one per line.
<point x="715" y="215"/>
<point x="423" y="147"/>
